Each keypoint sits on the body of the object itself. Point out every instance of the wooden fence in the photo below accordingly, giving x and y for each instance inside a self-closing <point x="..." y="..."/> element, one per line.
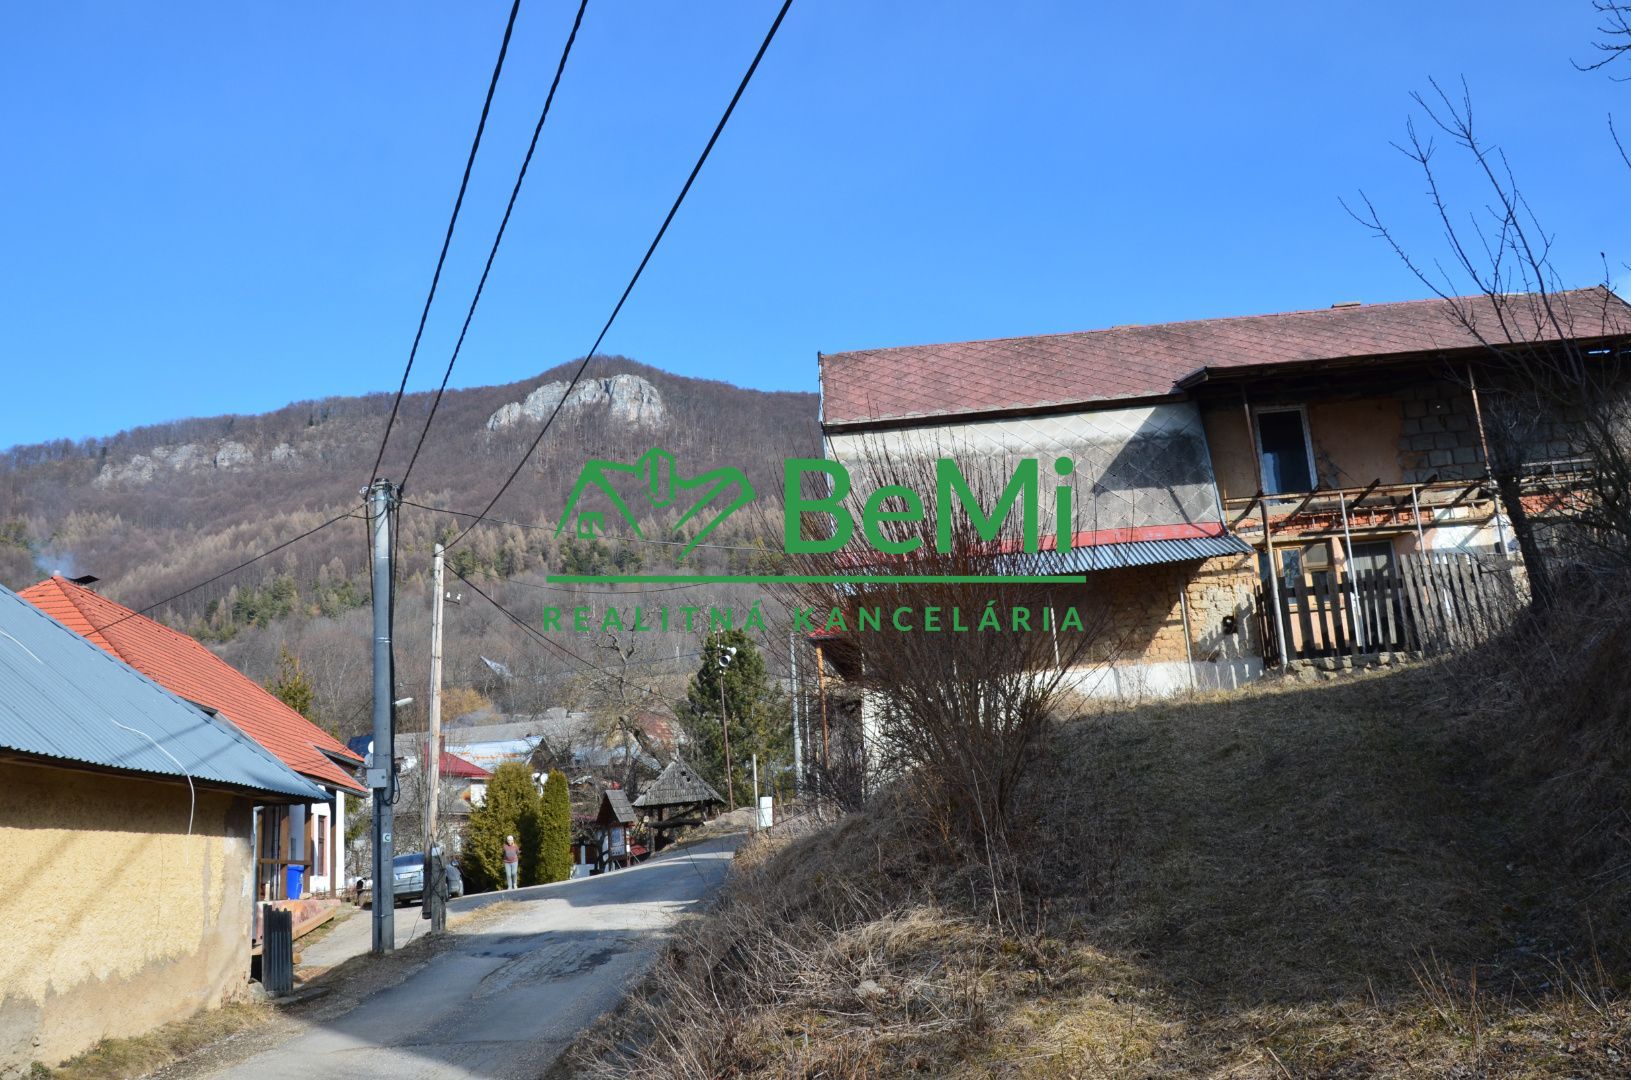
<point x="1423" y="604"/>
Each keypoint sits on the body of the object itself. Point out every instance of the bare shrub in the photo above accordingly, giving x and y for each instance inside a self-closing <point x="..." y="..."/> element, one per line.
<point x="1554" y="385"/>
<point x="960" y="681"/>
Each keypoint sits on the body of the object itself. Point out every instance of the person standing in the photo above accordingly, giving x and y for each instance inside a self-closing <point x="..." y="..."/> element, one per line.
<point x="512" y="860"/>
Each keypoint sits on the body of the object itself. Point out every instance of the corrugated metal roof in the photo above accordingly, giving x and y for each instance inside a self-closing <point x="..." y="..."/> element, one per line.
<point x="1083" y="560"/>
<point x="66" y="698"/>
<point x="183" y="666"/>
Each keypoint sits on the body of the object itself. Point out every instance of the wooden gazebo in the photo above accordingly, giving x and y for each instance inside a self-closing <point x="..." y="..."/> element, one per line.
<point x="677" y="799"/>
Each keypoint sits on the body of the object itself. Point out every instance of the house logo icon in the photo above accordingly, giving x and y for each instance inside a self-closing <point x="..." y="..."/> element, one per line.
<point x="708" y="498"/>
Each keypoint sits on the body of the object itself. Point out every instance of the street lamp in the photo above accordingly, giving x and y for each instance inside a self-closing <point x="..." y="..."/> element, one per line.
<point x="727" y="653"/>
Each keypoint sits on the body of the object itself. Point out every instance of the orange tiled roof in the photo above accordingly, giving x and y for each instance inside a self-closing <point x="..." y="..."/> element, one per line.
<point x="183" y="666"/>
<point x="1099" y="367"/>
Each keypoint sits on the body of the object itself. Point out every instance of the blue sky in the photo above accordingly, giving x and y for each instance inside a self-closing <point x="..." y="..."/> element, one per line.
<point x="212" y="208"/>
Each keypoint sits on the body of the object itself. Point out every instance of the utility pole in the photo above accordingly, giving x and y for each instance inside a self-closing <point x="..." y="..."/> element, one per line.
<point x="727" y="653"/>
<point x="433" y="872"/>
<point x="725" y="727"/>
<point x="798" y="702"/>
<point x="382" y="764"/>
<point x="755" y="792"/>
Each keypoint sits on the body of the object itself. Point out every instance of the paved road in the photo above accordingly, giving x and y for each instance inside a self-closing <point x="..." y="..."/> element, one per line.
<point x="507" y="999"/>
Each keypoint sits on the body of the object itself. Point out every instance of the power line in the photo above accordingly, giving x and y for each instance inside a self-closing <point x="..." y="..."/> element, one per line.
<point x="484" y="519"/>
<point x="233" y="570"/>
<point x="557" y="646"/>
<point x="584" y="363"/>
<point x="447" y="240"/>
<point x="497" y="239"/>
<point x="575" y="590"/>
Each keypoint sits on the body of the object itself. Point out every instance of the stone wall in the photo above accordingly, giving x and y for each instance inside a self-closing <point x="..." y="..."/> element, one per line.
<point x="1141" y="648"/>
<point x="1440" y="433"/>
<point x="123" y="905"/>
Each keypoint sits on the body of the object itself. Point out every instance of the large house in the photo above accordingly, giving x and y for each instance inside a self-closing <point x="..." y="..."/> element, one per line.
<point x="1237" y="480"/>
<point x="127" y="845"/>
<point x="302" y="845"/>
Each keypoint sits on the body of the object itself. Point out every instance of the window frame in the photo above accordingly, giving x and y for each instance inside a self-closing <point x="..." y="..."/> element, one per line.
<point x="1308" y="445"/>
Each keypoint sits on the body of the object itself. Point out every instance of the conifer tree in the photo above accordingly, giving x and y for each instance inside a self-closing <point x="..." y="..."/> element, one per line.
<point x="510" y="809"/>
<point x="555" y="830"/>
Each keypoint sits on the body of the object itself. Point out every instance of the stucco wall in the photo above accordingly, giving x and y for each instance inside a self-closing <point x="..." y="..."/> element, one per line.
<point x="1356" y="441"/>
<point x="113" y="919"/>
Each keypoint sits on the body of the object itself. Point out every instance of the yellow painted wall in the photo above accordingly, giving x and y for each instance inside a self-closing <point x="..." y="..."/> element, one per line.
<point x="1233" y="456"/>
<point x="113" y="919"/>
<point x="1356" y="441"/>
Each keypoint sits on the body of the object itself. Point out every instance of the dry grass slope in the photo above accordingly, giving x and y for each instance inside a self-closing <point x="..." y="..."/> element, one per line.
<point x="1337" y="881"/>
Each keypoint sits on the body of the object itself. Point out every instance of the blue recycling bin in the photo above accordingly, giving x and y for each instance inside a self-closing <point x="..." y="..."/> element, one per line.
<point x="295" y="876"/>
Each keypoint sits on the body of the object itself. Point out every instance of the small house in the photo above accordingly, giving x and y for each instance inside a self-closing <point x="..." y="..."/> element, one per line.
<point x="302" y="846"/>
<point x="127" y="822"/>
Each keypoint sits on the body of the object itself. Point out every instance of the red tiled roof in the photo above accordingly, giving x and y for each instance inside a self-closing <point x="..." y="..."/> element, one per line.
<point x="455" y="766"/>
<point x="1130" y="362"/>
<point x="183" y="666"/>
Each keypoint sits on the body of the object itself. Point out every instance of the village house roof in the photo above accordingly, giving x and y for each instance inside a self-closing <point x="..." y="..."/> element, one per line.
<point x="186" y="668"/>
<point x="1129" y="363"/>
<point x="614" y="807"/>
<point x="67" y="700"/>
<point x="679" y="785"/>
<point x="455" y="766"/>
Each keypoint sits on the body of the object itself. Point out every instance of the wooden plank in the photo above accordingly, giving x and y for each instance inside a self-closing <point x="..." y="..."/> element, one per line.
<point x="1376" y="628"/>
<point x="1395" y="606"/>
<point x="1427" y="605"/>
<point x="1465" y="594"/>
<point x="1265" y="627"/>
<point x="1477" y="609"/>
<point x="1437" y="603"/>
<point x="1310" y="641"/>
<point x="1410" y="595"/>
<point x="1387" y="619"/>
<point x="1329" y="603"/>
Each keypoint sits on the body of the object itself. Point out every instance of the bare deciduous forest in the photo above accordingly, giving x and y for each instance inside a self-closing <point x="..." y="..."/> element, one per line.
<point x="154" y="510"/>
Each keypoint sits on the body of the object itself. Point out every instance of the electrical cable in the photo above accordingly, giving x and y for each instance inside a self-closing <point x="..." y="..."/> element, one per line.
<point x="483" y="519"/>
<point x="447" y="240"/>
<point x="672" y="211"/>
<point x="498" y="238"/>
<point x="217" y="577"/>
<point x="557" y="646"/>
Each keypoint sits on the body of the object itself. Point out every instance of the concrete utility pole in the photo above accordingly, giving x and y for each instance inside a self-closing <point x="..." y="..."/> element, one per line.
<point x="432" y="869"/>
<point x="798" y="703"/>
<point x="382" y="763"/>
<point x="726" y="655"/>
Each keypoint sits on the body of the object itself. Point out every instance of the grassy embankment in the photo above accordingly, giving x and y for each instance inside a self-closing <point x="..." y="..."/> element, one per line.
<point x="1397" y="875"/>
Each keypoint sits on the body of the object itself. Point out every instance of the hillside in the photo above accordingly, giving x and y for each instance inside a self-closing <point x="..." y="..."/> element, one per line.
<point x="1375" y="877"/>
<point x="156" y="509"/>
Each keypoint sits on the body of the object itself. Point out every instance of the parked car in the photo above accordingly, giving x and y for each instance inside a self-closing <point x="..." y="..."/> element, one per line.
<point x="408" y="879"/>
<point x="408" y="873"/>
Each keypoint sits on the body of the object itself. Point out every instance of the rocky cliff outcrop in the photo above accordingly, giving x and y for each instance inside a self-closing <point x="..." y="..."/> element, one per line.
<point x="228" y="454"/>
<point x="627" y="399"/>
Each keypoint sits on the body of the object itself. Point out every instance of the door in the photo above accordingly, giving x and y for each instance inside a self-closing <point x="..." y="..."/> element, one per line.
<point x="1375" y="573"/>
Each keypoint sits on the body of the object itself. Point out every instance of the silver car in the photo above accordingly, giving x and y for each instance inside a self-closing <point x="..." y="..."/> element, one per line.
<point x="408" y="878"/>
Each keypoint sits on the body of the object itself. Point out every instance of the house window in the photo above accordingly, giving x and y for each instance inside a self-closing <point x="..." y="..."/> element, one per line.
<point x="1286" y="454"/>
<point x="1373" y="556"/>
